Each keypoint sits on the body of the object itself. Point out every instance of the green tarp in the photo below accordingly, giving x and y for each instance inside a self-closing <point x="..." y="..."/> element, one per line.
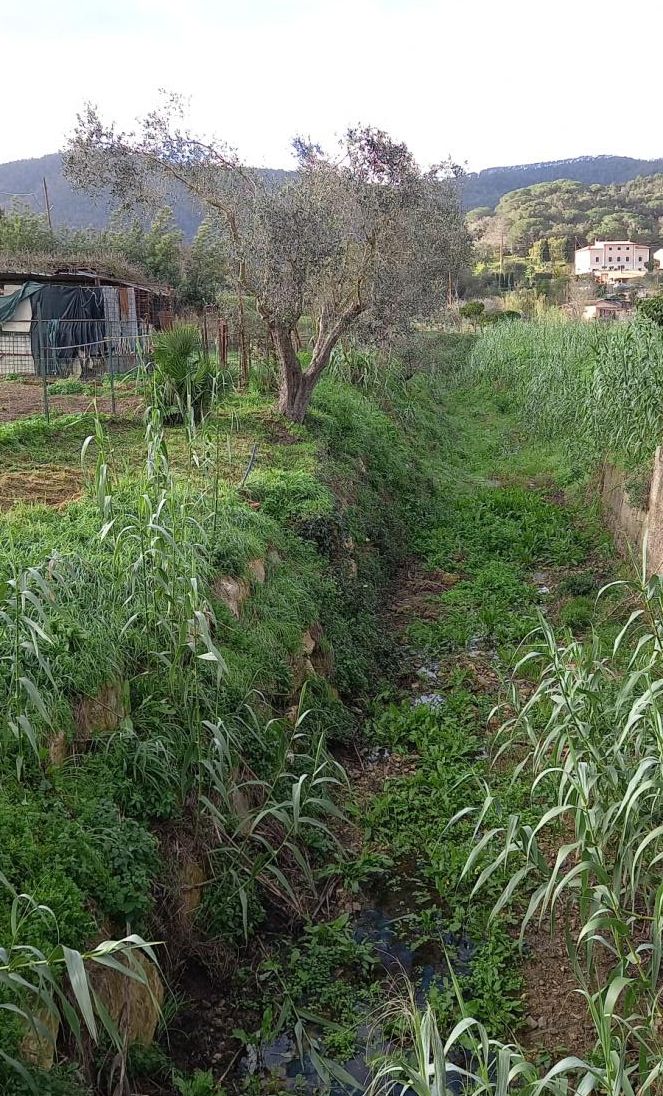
<point x="10" y="303"/>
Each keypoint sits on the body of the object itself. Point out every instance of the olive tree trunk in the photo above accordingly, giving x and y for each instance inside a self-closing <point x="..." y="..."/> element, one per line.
<point x="297" y="384"/>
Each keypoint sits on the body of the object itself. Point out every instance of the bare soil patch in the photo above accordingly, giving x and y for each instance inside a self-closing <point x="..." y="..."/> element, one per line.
<point x="416" y="595"/>
<point x="556" y="1015"/>
<point x="48" y="486"/>
<point x="23" y="401"/>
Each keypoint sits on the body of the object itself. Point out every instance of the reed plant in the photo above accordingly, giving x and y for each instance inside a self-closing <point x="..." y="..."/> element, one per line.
<point x="44" y="990"/>
<point x="598" y="386"/>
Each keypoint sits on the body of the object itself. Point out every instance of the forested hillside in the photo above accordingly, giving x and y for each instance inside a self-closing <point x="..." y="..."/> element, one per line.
<point x="485" y="188"/>
<point x="23" y="179"/>
<point x="574" y="211"/>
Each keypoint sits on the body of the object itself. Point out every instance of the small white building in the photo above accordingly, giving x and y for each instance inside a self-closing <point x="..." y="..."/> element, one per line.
<point x="607" y="310"/>
<point x="658" y="257"/>
<point x="606" y="256"/>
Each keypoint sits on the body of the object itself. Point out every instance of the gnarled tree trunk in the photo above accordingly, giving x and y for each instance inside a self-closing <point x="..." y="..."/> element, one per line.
<point x="294" y="399"/>
<point x="297" y="384"/>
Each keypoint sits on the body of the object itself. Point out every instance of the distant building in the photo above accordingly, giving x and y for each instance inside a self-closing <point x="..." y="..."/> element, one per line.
<point x="658" y="257"/>
<point x="607" y="310"/>
<point x="607" y="258"/>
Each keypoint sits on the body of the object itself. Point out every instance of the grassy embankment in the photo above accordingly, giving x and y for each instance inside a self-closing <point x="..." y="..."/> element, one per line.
<point x="150" y="728"/>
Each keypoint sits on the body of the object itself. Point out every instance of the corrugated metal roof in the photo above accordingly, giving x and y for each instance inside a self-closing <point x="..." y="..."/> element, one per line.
<point x="84" y="277"/>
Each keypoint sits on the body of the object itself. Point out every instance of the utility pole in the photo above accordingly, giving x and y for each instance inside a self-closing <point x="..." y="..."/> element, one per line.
<point x="48" y="209"/>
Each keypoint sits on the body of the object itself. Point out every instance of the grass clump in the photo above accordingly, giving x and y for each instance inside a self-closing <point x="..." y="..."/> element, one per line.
<point x="69" y="386"/>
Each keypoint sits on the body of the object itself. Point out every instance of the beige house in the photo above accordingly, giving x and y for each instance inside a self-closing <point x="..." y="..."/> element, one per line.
<point x="612" y="257"/>
<point x="606" y="310"/>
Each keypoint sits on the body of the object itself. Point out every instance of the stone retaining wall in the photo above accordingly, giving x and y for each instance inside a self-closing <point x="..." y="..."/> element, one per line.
<point x="629" y="524"/>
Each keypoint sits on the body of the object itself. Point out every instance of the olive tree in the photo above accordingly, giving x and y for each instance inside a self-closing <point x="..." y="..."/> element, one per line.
<point x="365" y="233"/>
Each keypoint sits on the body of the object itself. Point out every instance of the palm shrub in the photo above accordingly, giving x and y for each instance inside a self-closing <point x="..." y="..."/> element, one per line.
<point x="185" y="376"/>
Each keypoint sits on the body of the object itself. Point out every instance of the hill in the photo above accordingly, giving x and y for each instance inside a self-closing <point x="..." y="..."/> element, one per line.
<point x="22" y="179"/>
<point x="485" y="188"/>
<point x="575" y="213"/>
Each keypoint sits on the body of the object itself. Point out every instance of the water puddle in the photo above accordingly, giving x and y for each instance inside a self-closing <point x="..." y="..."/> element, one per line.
<point x="382" y="923"/>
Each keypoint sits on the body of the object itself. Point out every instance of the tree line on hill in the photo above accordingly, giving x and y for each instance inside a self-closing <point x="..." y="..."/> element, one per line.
<point x="484" y="189"/>
<point x="556" y="217"/>
<point x="156" y="251"/>
<point x="23" y="179"/>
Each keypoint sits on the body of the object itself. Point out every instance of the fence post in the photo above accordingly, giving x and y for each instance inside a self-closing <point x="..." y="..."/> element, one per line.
<point x="44" y="370"/>
<point x="111" y="374"/>
<point x="223" y="342"/>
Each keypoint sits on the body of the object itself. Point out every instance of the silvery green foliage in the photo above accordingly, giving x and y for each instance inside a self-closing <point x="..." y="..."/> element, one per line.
<point x="363" y="233"/>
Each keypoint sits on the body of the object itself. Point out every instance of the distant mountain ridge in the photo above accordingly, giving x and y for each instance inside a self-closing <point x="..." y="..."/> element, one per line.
<point x="22" y="180"/>
<point x="485" y="188"/>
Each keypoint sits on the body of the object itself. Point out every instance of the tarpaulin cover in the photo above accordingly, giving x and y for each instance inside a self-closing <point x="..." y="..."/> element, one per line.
<point x="10" y="303"/>
<point x="68" y="318"/>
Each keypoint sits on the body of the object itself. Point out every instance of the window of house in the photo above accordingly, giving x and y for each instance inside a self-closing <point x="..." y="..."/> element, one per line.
<point x="597" y="259"/>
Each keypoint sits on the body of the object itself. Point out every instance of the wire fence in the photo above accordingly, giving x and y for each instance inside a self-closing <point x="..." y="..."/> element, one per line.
<point x="41" y="352"/>
<point x="85" y="350"/>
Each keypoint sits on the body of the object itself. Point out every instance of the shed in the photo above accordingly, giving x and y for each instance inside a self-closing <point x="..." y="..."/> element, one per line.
<point x="613" y="309"/>
<point x="72" y="320"/>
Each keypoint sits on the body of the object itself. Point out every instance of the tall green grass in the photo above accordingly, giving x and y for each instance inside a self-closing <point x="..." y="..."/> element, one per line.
<point x="598" y="386"/>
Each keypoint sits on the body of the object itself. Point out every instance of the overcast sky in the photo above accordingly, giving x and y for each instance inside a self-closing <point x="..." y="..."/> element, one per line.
<point x="488" y="82"/>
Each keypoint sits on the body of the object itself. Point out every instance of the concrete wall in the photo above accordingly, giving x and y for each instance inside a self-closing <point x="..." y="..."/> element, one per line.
<point x="655" y="523"/>
<point x="629" y="524"/>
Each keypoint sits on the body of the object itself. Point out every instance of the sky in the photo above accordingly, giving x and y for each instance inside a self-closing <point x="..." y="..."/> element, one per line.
<point x="488" y="82"/>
